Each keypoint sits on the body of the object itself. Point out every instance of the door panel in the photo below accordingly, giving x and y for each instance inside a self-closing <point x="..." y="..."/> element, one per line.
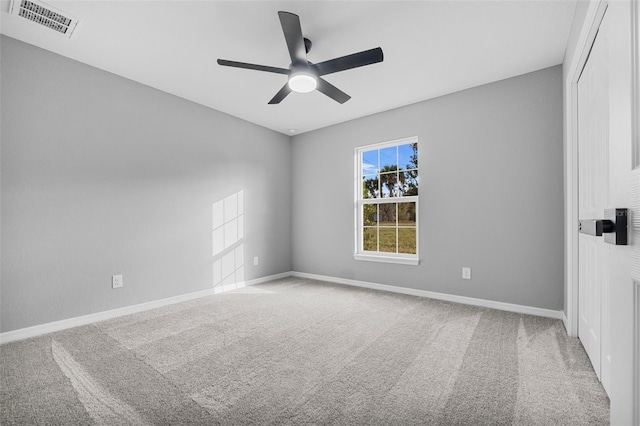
<point x="593" y="183"/>
<point x="591" y="267"/>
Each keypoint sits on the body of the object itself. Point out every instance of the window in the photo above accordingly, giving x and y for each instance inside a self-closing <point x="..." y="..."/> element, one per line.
<point x="387" y="202"/>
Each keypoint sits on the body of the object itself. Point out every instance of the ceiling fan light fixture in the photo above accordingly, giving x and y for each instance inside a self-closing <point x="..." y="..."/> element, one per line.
<point x="303" y="82"/>
<point x="305" y="76"/>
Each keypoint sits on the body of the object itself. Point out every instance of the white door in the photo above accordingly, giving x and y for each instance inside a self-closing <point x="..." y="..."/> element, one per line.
<point x="624" y="191"/>
<point x="609" y="177"/>
<point x="619" y="264"/>
<point x="593" y="184"/>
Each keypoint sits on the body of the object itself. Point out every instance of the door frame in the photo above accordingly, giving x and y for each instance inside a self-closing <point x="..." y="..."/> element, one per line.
<point x="595" y="14"/>
<point x="635" y="144"/>
<point x="635" y="61"/>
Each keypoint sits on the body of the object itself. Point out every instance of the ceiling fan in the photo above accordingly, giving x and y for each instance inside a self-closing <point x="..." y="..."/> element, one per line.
<point x="305" y="76"/>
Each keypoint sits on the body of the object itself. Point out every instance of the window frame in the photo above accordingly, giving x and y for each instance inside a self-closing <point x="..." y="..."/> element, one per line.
<point x="377" y="256"/>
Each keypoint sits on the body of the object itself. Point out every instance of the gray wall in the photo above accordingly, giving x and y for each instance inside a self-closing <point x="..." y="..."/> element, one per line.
<point x="101" y="175"/>
<point x="491" y="165"/>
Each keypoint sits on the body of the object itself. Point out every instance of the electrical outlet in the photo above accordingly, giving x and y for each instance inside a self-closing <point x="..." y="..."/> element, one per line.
<point x="255" y="261"/>
<point x="466" y="273"/>
<point x="116" y="281"/>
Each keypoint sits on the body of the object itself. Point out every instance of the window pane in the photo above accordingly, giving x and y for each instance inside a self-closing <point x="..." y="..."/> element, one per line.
<point x="370" y="187"/>
<point x="408" y="156"/>
<point x="389" y="184"/>
<point x="370" y="162"/>
<point x="370" y="239"/>
<point x="388" y="240"/>
<point x="409" y="183"/>
<point x="387" y="214"/>
<point x="407" y="240"/>
<point x="406" y="214"/>
<point x="388" y="173"/>
<point x="389" y="158"/>
<point x="370" y="214"/>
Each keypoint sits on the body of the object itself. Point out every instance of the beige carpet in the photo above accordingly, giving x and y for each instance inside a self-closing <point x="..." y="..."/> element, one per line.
<point x="295" y="351"/>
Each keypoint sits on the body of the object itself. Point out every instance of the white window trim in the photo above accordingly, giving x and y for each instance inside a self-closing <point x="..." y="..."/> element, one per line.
<point x="399" y="258"/>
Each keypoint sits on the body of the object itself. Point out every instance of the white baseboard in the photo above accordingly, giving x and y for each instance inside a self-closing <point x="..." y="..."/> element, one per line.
<point x="521" y="309"/>
<point x="38" y="330"/>
<point x="234" y="286"/>
<point x="565" y="321"/>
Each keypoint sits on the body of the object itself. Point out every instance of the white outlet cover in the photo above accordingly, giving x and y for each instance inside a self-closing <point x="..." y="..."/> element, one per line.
<point x="466" y="273"/>
<point x="255" y="261"/>
<point x="116" y="281"/>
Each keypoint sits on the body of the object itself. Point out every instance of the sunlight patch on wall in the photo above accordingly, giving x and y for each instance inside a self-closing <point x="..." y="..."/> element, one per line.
<point x="227" y="242"/>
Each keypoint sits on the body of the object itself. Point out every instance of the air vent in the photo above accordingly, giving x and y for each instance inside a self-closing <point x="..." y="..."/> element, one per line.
<point x="45" y="15"/>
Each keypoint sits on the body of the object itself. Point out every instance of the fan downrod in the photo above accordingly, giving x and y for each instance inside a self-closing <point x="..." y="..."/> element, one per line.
<point x="307" y="44"/>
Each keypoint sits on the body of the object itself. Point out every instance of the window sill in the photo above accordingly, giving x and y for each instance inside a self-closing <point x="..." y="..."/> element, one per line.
<point x="387" y="259"/>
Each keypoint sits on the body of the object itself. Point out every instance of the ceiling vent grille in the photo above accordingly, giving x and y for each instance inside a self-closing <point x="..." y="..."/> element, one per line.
<point x="45" y="15"/>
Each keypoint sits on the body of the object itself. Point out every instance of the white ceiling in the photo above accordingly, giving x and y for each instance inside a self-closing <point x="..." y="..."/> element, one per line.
<point x="431" y="48"/>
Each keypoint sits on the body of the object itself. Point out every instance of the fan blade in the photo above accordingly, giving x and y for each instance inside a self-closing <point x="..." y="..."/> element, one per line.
<point x="265" y="68"/>
<point x="280" y="95"/>
<point x="332" y="91"/>
<point x="348" y="62"/>
<point x="293" y="36"/>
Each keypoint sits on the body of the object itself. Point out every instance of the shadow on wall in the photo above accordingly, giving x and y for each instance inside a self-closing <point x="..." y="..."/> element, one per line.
<point x="228" y="243"/>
